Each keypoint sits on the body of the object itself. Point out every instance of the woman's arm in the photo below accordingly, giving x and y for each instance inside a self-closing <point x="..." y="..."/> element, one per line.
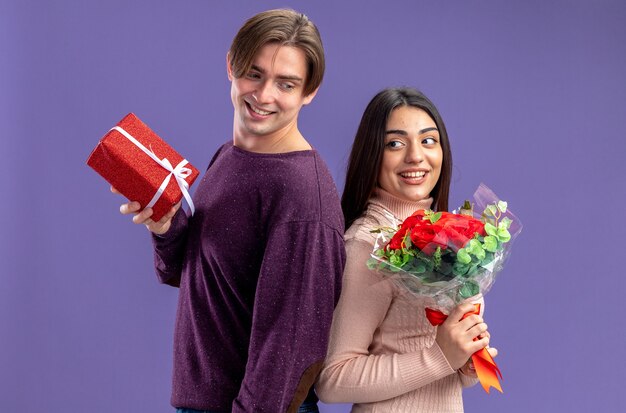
<point x="351" y="373"/>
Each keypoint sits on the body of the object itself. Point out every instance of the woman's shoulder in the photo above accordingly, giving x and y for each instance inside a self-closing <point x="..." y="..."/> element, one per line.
<point x="363" y="229"/>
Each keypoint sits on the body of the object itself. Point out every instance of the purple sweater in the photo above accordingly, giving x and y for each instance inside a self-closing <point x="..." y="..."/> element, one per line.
<point x="259" y="267"/>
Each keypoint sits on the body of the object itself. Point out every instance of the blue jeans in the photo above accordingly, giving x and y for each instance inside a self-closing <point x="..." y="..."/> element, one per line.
<point x="306" y="407"/>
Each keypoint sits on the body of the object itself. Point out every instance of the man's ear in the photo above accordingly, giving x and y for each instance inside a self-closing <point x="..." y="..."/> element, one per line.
<point x="228" y="68"/>
<point x="308" y="98"/>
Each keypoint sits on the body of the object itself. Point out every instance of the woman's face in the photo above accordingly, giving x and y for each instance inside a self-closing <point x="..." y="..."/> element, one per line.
<point x="412" y="156"/>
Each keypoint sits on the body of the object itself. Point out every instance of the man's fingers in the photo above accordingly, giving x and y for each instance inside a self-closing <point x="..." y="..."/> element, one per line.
<point x="170" y="213"/>
<point x="143" y="217"/>
<point x="130" y="208"/>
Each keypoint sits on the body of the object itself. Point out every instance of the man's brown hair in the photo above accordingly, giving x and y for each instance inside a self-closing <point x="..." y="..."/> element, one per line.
<point x="287" y="28"/>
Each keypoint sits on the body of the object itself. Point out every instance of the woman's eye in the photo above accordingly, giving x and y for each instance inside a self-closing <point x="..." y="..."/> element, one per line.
<point x="429" y="141"/>
<point x="394" y="144"/>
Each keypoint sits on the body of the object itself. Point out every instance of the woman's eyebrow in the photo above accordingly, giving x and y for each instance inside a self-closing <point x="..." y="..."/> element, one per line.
<point x="403" y="132"/>
<point x="396" y="132"/>
<point x="427" y="130"/>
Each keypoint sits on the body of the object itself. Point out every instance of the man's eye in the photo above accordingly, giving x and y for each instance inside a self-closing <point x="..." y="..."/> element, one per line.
<point x="287" y="86"/>
<point x="253" y="75"/>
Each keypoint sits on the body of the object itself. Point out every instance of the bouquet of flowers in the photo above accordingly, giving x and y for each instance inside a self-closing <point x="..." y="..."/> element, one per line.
<point x="449" y="257"/>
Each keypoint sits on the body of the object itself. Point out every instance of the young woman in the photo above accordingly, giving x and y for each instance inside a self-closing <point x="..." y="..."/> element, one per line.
<point x="384" y="356"/>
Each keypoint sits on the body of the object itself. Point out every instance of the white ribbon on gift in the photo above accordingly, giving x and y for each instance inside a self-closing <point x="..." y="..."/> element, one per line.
<point x="179" y="172"/>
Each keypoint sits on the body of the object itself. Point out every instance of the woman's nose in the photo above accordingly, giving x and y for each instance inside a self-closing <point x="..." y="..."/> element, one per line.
<point x="414" y="153"/>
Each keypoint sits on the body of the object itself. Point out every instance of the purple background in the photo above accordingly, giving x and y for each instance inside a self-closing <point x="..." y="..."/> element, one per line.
<point x="533" y="95"/>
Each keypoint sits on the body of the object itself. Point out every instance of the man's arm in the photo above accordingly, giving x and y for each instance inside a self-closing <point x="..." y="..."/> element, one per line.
<point x="169" y="250"/>
<point x="297" y="290"/>
<point x="168" y="236"/>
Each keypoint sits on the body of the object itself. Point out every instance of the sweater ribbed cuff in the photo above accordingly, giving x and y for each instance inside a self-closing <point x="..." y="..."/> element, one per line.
<point x="423" y="367"/>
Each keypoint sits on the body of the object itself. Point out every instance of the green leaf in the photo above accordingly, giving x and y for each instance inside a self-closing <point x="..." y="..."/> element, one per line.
<point x="463" y="257"/>
<point x="505" y="223"/>
<point x="459" y="269"/>
<point x="395" y="260"/>
<point x="467" y="206"/>
<point x="490" y="229"/>
<point x="405" y="259"/>
<point x="502" y="205"/>
<point x="480" y="253"/>
<point x="419" y="269"/>
<point x="491" y="243"/>
<point x="474" y="247"/>
<point x="471" y="271"/>
<point x="491" y="210"/>
<point x="433" y="216"/>
<point x="468" y="289"/>
<point x="437" y="257"/>
<point x="407" y="240"/>
<point x="504" y="235"/>
<point x="488" y="258"/>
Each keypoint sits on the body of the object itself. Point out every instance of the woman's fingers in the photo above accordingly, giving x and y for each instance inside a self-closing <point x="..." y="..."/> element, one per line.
<point x="460" y="310"/>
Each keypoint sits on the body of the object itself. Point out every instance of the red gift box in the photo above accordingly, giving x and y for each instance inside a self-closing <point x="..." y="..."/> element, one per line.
<point x="139" y="164"/>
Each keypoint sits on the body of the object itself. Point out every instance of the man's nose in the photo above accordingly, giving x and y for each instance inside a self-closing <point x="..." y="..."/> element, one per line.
<point x="264" y="93"/>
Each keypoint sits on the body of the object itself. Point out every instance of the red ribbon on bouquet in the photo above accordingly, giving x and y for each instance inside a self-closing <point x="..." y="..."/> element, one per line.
<point x="486" y="369"/>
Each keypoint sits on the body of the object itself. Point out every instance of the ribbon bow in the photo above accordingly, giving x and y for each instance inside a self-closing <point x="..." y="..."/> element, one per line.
<point x="486" y="369"/>
<point x="179" y="172"/>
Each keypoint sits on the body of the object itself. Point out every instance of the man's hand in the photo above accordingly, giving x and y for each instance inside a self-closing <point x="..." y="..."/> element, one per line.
<point x="160" y="227"/>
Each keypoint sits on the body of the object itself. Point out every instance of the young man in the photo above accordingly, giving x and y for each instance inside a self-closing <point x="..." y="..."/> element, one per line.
<point x="259" y="265"/>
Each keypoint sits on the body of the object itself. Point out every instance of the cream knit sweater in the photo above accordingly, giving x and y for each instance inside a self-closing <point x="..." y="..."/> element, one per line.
<point x="382" y="353"/>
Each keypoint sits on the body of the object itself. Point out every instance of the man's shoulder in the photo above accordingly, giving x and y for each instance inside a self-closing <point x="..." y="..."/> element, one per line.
<point x="305" y="188"/>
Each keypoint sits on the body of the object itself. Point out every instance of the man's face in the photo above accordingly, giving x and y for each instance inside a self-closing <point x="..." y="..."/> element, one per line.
<point x="268" y="98"/>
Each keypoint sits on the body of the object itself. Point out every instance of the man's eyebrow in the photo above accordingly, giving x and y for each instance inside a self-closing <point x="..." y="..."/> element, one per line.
<point x="291" y="77"/>
<point x="284" y="77"/>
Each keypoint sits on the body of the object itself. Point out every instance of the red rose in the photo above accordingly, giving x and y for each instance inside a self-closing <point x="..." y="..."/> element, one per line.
<point x="398" y="237"/>
<point x="427" y="237"/>
<point x="460" y="229"/>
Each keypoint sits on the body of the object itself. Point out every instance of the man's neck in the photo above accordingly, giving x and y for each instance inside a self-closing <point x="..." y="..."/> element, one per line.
<point x="289" y="141"/>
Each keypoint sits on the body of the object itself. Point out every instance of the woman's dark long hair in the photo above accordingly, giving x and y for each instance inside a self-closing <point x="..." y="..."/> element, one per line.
<point x="369" y="144"/>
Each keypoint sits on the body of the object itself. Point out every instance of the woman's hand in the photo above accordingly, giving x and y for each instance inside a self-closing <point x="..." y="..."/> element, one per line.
<point x="456" y="335"/>
<point x="468" y="368"/>
<point x="160" y="227"/>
